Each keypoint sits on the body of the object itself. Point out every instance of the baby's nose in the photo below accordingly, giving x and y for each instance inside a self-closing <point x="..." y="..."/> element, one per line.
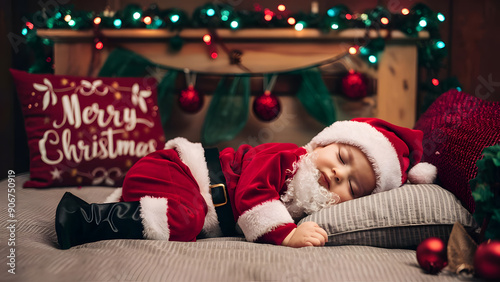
<point x="339" y="174"/>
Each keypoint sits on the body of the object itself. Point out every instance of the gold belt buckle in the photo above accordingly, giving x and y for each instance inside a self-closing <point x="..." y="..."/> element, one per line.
<point x="225" y="193"/>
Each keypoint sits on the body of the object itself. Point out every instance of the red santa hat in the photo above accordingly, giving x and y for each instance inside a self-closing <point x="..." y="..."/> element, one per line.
<point x="394" y="151"/>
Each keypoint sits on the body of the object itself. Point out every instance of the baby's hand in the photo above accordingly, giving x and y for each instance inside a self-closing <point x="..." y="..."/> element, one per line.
<point x="307" y="234"/>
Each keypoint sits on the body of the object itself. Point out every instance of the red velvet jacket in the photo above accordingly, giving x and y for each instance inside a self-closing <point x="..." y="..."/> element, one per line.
<point x="173" y="184"/>
<point x="255" y="178"/>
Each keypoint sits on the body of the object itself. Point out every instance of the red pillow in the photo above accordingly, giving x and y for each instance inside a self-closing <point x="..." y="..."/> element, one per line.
<point x="457" y="127"/>
<point x="86" y="131"/>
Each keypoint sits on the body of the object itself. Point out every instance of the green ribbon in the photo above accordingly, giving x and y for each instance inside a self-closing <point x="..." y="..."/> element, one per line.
<point x="228" y="110"/>
<point x="166" y="96"/>
<point x="125" y="63"/>
<point x="314" y="96"/>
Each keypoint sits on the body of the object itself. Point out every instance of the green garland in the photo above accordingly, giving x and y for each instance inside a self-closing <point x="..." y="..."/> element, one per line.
<point x="486" y="192"/>
<point x="218" y="15"/>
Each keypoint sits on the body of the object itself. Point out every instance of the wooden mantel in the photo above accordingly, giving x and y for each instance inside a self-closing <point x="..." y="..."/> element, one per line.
<point x="264" y="51"/>
<point x="250" y="33"/>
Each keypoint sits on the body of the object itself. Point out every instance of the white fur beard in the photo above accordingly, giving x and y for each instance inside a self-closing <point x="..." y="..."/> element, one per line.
<point x="304" y="194"/>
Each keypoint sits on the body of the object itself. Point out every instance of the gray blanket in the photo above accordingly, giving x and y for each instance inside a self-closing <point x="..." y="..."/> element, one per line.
<point x="36" y="256"/>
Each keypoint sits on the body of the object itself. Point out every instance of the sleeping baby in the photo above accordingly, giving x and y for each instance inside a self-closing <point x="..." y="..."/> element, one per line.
<point x="185" y="191"/>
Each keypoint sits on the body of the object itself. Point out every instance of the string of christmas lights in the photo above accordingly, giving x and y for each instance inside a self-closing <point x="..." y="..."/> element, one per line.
<point x="218" y="15"/>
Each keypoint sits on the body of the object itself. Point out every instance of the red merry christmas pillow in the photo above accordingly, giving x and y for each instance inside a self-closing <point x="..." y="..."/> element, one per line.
<point x="86" y="131"/>
<point x="457" y="127"/>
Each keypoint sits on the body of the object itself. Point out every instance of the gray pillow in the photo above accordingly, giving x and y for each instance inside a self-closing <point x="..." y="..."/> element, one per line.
<point x="400" y="218"/>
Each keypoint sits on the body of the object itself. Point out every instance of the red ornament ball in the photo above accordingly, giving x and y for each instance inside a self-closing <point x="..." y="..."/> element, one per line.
<point x="355" y="85"/>
<point x="267" y="106"/>
<point x="431" y="255"/>
<point x="190" y="100"/>
<point x="487" y="260"/>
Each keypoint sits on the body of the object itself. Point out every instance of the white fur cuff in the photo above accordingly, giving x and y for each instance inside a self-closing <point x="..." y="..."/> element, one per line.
<point x="115" y="196"/>
<point x="263" y="218"/>
<point x="154" y="218"/>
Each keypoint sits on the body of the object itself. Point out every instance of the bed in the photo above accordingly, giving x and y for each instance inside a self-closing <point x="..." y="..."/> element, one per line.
<point x="373" y="238"/>
<point x="373" y="249"/>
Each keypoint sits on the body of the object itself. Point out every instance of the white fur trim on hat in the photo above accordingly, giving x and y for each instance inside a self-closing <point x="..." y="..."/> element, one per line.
<point x="154" y="218"/>
<point x="422" y="173"/>
<point x="193" y="155"/>
<point x="263" y="218"/>
<point x="377" y="148"/>
<point x="115" y="196"/>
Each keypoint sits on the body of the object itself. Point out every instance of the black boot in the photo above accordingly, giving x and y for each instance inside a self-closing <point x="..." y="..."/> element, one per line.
<point x="78" y="222"/>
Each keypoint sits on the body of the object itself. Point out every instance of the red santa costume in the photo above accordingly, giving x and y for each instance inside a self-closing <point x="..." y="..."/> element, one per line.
<point x="172" y="185"/>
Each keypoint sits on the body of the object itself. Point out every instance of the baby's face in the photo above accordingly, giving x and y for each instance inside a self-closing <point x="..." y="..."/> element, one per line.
<point x="345" y="170"/>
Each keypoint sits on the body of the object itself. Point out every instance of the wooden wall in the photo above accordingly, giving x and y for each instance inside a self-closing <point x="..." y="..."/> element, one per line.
<point x="470" y="32"/>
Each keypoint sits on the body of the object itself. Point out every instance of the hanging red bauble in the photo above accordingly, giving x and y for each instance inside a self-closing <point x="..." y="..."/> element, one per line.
<point x="431" y="255"/>
<point x="487" y="260"/>
<point x="190" y="100"/>
<point x="355" y="85"/>
<point x="267" y="106"/>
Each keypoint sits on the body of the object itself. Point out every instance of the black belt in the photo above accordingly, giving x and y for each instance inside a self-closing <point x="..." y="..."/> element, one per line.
<point x="219" y="193"/>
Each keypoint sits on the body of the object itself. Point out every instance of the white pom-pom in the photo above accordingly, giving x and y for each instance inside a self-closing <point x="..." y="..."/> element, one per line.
<point x="422" y="173"/>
